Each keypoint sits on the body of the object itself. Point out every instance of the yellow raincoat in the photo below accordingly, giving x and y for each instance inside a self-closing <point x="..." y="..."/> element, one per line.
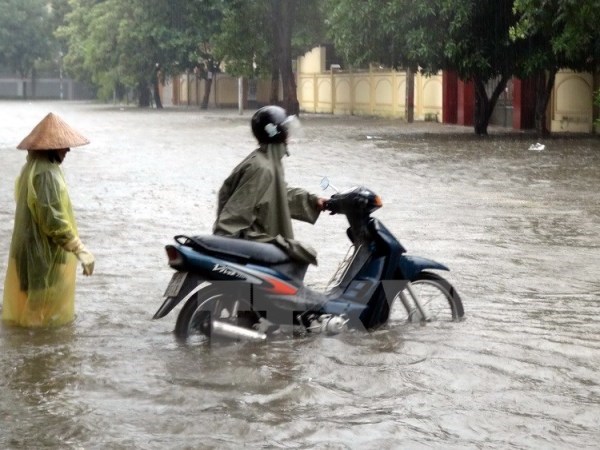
<point x="39" y="289"/>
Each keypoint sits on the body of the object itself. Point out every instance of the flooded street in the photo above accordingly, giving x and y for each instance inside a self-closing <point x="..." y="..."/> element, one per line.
<point x="520" y="230"/>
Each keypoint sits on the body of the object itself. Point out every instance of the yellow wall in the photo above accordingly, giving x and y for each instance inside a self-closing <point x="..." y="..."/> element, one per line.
<point x="373" y="92"/>
<point x="312" y="61"/>
<point x="571" y="103"/>
<point x="376" y="93"/>
<point x="379" y="93"/>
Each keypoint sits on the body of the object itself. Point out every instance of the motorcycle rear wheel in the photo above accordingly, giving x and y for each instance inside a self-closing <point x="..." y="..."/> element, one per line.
<point x="437" y="296"/>
<point x="195" y="318"/>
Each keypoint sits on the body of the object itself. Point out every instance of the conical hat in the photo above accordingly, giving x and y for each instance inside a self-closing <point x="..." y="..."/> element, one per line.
<point x="52" y="133"/>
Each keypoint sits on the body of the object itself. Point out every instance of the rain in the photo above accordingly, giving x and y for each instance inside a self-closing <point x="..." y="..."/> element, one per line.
<point x="518" y="229"/>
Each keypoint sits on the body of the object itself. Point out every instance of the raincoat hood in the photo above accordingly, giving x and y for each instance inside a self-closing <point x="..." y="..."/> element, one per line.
<point x="276" y="152"/>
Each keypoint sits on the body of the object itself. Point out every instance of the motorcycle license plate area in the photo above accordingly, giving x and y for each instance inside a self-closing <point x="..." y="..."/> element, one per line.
<point x="175" y="284"/>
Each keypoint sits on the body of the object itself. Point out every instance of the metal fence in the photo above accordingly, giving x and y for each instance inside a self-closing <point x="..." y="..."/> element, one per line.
<point x="45" y="88"/>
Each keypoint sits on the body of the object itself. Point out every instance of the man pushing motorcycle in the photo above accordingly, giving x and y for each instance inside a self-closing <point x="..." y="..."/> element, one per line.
<point x="255" y="202"/>
<point x="235" y="289"/>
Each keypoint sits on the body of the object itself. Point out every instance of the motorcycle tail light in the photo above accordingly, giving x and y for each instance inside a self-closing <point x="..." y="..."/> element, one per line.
<point x="175" y="258"/>
<point x="378" y="201"/>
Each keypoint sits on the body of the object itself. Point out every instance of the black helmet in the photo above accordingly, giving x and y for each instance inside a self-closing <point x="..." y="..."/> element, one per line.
<point x="269" y="125"/>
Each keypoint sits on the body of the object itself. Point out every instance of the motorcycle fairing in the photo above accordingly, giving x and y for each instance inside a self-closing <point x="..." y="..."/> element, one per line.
<point x="203" y="267"/>
<point x="386" y="236"/>
<point x="218" y="269"/>
<point x="410" y="266"/>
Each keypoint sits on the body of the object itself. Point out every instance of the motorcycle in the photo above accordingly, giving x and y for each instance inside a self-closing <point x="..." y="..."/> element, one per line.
<point x="243" y="290"/>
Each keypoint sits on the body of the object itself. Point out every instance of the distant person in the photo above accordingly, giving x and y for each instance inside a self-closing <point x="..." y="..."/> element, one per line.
<point x="39" y="289"/>
<point x="255" y="202"/>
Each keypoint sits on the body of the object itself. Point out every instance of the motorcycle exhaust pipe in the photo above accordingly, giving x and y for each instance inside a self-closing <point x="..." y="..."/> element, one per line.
<point x="229" y="331"/>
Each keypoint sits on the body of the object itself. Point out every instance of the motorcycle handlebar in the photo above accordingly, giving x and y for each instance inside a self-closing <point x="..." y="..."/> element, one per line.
<point x="358" y="200"/>
<point x="331" y="205"/>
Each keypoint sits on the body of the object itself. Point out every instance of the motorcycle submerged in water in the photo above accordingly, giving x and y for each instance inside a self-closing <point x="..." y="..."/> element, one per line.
<point x="243" y="290"/>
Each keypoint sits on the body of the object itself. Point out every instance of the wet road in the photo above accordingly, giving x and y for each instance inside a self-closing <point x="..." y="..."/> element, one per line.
<point x="519" y="229"/>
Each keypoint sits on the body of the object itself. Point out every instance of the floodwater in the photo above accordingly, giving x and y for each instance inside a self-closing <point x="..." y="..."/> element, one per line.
<point x="518" y="228"/>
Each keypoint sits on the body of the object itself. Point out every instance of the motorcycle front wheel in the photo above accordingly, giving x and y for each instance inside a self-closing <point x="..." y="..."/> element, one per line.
<point x="197" y="315"/>
<point x="439" y="299"/>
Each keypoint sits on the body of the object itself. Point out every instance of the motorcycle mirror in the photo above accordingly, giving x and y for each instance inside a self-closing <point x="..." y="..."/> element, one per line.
<point x="325" y="184"/>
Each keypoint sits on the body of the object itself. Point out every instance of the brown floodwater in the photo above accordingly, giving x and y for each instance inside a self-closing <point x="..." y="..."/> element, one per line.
<point x="520" y="230"/>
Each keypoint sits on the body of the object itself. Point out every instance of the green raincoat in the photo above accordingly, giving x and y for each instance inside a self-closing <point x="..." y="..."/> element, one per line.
<point x="255" y="203"/>
<point x="39" y="289"/>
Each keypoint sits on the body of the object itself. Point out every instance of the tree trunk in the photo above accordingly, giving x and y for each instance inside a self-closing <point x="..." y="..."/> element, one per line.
<point x="410" y="95"/>
<point x="33" y="82"/>
<point x="156" y="88"/>
<point x="283" y="13"/>
<point x="143" y="95"/>
<point x="207" y="88"/>
<point x="157" y="96"/>
<point x="543" y="88"/>
<point x="23" y="84"/>
<point x="274" y="97"/>
<point x="484" y="106"/>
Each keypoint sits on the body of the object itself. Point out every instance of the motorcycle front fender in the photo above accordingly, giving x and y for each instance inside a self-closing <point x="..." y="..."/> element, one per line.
<point x="411" y="266"/>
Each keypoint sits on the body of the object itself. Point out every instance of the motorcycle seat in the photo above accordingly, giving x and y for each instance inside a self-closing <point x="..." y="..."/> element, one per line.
<point x="238" y="249"/>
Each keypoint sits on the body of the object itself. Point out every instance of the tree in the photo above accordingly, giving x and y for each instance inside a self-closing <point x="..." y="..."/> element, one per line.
<point x="470" y="37"/>
<point x="118" y="44"/>
<point x="253" y="56"/>
<point x="557" y="34"/>
<point x="597" y="103"/>
<point x="24" y="35"/>
<point x="282" y="16"/>
<point x="371" y="32"/>
<point x="274" y="33"/>
<point x="476" y="45"/>
<point x="206" y="15"/>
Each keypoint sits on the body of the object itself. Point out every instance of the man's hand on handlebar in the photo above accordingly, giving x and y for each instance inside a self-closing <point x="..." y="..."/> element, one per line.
<point x="322" y="203"/>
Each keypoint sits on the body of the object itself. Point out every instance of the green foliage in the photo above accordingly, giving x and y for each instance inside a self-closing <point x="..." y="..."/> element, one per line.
<point x="116" y="43"/>
<point x="309" y="27"/>
<point x="557" y="34"/>
<point x="369" y="31"/>
<point x="253" y="54"/>
<point x="470" y="37"/>
<point x="25" y="34"/>
<point x="247" y="42"/>
<point x="579" y="39"/>
<point x="476" y="44"/>
<point x="481" y="40"/>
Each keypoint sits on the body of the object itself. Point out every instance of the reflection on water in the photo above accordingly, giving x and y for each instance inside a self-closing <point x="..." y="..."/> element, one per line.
<point x="38" y="372"/>
<point x="518" y="228"/>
